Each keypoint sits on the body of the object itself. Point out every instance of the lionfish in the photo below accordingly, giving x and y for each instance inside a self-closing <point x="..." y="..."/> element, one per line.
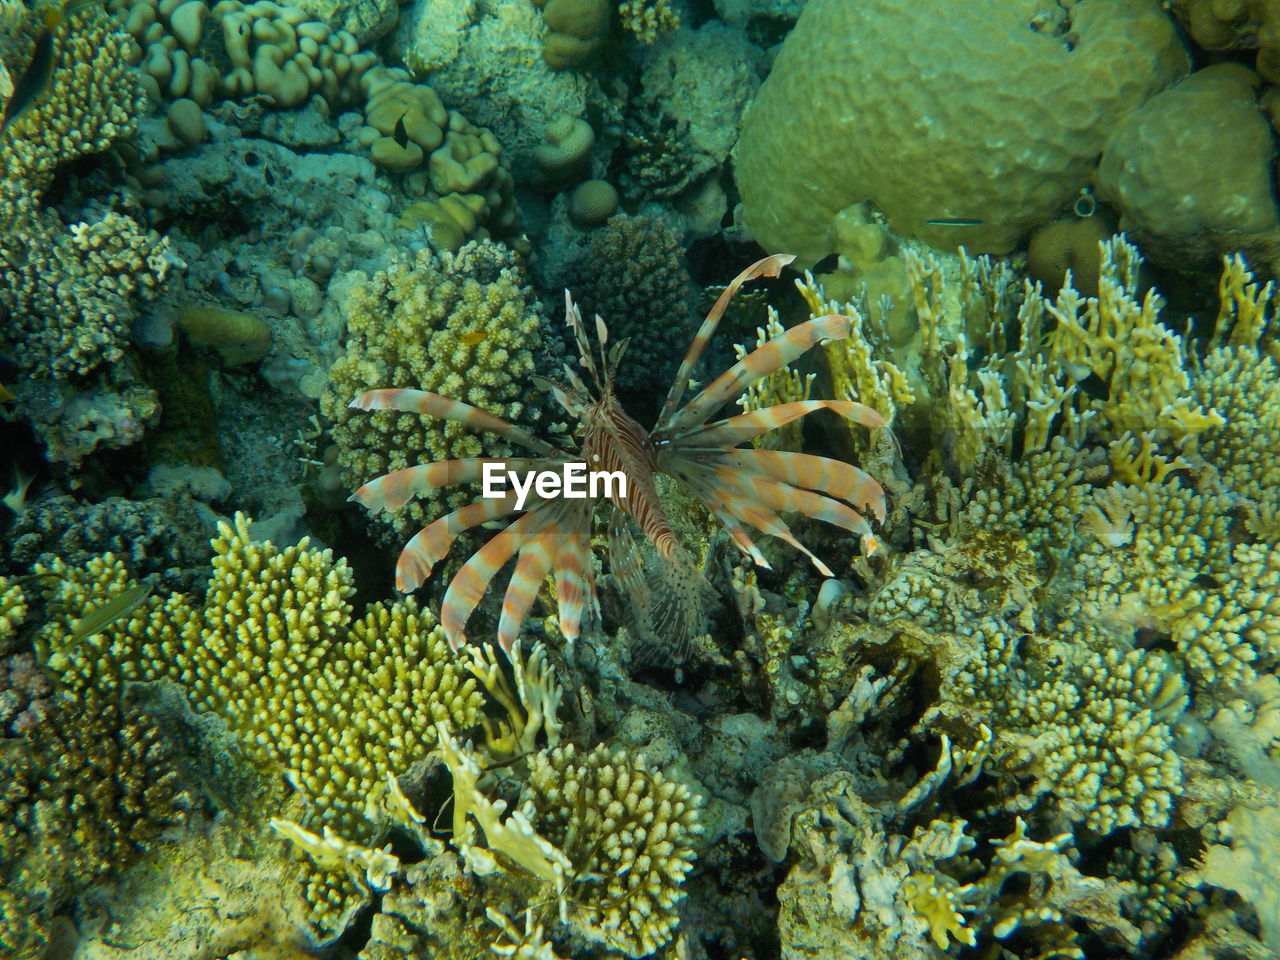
<point x="740" y="487"/>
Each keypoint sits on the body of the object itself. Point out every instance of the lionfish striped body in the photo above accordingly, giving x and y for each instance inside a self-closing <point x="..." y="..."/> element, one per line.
<point x="742" y="487"/>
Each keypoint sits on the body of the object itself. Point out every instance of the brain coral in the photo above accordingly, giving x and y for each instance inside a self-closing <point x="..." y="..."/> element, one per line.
<point x="952" y="109"/>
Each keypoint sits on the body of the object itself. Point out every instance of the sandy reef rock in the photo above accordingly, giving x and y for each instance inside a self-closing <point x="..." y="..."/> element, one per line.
<point x="488" y="64"/>
<point x="923" y="118"/>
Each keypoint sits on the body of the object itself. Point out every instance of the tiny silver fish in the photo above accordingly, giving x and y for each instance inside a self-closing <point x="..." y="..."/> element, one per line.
<point x="955" y="222"/>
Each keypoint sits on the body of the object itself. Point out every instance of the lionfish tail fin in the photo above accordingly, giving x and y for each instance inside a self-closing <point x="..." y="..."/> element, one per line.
<point x="681" y="609"/>
<point x="668" y="597"/>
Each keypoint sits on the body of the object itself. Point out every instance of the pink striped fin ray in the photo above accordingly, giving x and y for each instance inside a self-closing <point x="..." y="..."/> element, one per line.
<point x="701" y="487"/>
<point x="533" y="563"/>
<point x="747" y="426"/>
<point x="446" y="408"/>
<point x="574" y="580"/>
<point x="835" y="478"/>
<point x="785" y="498"/>
<point x="754" y="511"/>
<point x="770" y="266"/>
<point x="391" y="491"/>
<point x="429" y="545"/>
<point x="755" y="366"/>
<point x="468" y="585"/>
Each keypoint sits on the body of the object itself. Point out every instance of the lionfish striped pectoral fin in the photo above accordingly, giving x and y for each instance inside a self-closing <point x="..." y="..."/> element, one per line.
<point x="575" y="584"/>
<point x="770" y="266"/>
<point x="747" y="426"/>
<point x="472" y="579"/>
<point x="755" y="366"/>
<point x="391" y="491"/>
<point x="835" y="478"/>
<point x="446" y="408"/>
<point x="430" y="544"/>
<point x="754" y="507"/>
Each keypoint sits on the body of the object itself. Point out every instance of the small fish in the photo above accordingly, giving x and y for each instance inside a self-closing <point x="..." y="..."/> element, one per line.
<point x="31" y="86"/>
<point x="102" y="616"/>
<point x="474" y="337"/>
<point x="6" y="394"/>
<point x="955" y="222"/>
<point x="400" y="135"/>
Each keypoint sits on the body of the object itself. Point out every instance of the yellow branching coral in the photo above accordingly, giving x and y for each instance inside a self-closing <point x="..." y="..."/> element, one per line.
<point x="1118" y="337"/>
<point x="648" y="19"/>
<point x="933" y="899"/>
<point x="273" y="649"/>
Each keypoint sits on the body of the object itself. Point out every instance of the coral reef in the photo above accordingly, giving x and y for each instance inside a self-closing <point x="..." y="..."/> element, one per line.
<point x="1037" y="715"/>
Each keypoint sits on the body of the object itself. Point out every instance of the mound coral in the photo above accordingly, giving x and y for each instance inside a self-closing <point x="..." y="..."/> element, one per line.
<point x="1007" y="140"/>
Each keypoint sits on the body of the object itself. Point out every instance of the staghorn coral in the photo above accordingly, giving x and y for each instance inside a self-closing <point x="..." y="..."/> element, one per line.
<point x="13" y="611"/>
<point x="465" y="325"/>
<point x="1104" y="739"/>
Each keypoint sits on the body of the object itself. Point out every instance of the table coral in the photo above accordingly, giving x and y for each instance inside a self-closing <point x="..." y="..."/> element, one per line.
<point x="1006" y="140"/>
<point x="463" y="325"/>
